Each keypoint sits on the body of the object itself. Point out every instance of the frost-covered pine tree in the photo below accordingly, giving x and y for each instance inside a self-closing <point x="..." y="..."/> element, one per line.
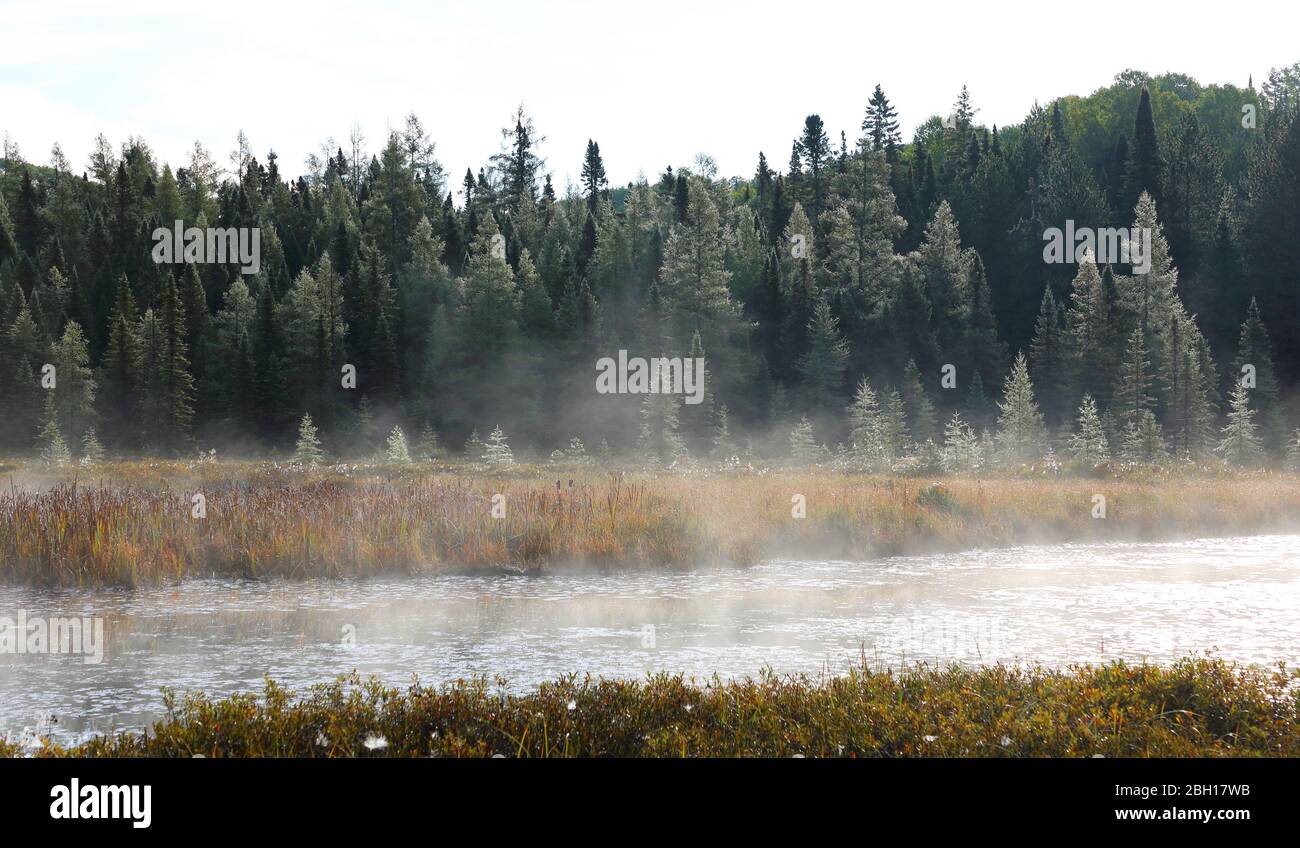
<point x="54" y="450"/>
<point x="803" y="444"/>
<point x="474" y="445"/>
<point x="1143" y="440"/>
<point x="497" y="453"/>
<point x="961" y="447"/>
<point x="1088" y="445"/>
<point x="1022" y="435"/>
<point x="894" y="436"/>
<point x="1240" y="445"/>
<point x="92" y="452"/>
<point x="307" y="451"/>
<point x="397" y="452"/>
<point x="866" y="428"/>
<point x="660" y="438"/>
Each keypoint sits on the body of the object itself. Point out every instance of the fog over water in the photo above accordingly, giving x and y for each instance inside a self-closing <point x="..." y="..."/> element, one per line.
<point x="1238" y="598"/>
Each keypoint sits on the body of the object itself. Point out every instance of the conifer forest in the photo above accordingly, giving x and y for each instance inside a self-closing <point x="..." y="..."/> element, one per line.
<point x="869" y="298"/>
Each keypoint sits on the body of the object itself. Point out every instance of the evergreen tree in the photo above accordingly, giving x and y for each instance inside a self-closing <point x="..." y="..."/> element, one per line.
<point x="822" y="367"/>
<point x="866" y="428"/>
<point x="961" y="448"/>
<point x="893" y="426"/>
<point x="496" y="453"/>
<point x="1143" y="169"/>
<point x="307" y="451"/>
<point x="803" y="444"/>
<point x="1240" y="445"/>
<point x="1021" y="433"/>
<point x="920" y="411"/>
<point x="1255" y="349"/>
<point x="1047" y="359"/>
<point x="1088" y="444"/>
<point x="398" y="453"/>
<point x="54" y="450"/>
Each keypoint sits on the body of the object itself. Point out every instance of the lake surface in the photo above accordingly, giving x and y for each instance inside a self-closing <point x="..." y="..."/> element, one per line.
<point x="1238" y="598"/>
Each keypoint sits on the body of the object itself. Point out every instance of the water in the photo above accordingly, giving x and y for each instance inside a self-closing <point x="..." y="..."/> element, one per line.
<point x="1238" y="598"/>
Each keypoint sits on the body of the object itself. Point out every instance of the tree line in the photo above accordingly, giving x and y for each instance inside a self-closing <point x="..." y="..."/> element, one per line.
<point x="877" y="294"/>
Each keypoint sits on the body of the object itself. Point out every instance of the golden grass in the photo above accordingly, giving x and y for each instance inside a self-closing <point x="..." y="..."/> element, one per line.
<point x="131" y="523"/>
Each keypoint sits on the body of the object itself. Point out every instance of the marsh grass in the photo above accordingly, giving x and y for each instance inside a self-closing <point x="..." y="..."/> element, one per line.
<point x="1197" y="707"/>
<point x="131" y="524"/>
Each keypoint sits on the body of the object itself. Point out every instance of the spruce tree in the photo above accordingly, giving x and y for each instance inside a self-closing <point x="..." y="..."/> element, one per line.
<point x="1021" y="433"/>
<point x="1143" y="169"/>
<point x="54" y="450"/>
<point x="803" y="443"/>
<point x="496" y="453"/>
<point x="1255" y="349"/>
<point x="921" y="422"/>
<point x="1047" y="359"/>
<point x="961" y="448"/>
<point x="1240" y="444"/>
<point x="1088" y="444"/>
<point x="307" y="451"/>
<point x="397" y="452"/>
<point x="822" y="367"/>
<point x="866" y="429"/>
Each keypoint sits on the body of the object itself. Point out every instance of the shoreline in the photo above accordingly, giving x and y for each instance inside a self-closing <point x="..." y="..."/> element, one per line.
<point x="164" y="522"/>
<point x="1194" y="707"/>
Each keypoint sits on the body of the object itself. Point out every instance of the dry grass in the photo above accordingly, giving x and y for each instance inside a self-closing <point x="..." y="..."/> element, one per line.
<point x="131" y="523"/>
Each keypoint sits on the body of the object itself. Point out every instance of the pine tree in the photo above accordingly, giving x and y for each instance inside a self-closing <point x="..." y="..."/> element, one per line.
<point x="1047" y="360"/>
<point x="1021" y="432"/>
<point x="866" y="428"/>
<point x="594" y="183"/>
<point x="92" y="452"/>
<point x="307" y="451"/>
<point x="660" y="438"/>
<point x="1142" y="440"/>
<point x="961" y="448"/>
<point x="881" y="123"/>
<point x="1088" y="445"/>
<point x="74" y="397"/>
<point x="723" y="447"/>
<point x="398" y="453"/>
<point x="894" y="436"/>
<point x="1255" y="349"/>
<point x="694" y="275"/>
<point x="427" y="447"/>
<point x="1240" y="445"/>
<point x="920" y="411"/>
<point x="803" y="444"/>
<point x="1143" y="169"/>
<point x="496" y="453"/>
<point x="54" y="450"/>
<point x="1132" y="391"/>
<point x="822" y="367"/>
<point x="1293" y="451"/>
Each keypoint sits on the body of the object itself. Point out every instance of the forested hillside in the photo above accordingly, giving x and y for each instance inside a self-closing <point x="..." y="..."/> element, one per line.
<point x="827" y="294"/>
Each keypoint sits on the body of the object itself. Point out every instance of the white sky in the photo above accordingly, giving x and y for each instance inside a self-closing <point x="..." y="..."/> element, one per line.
<point x="653" y="82"/>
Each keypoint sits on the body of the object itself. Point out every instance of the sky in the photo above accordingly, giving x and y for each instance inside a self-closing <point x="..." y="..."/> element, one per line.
<point x="654" y="83"/>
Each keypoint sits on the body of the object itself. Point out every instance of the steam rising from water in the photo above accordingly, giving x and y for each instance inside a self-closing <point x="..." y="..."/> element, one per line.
<point x="1052" y="604"/>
